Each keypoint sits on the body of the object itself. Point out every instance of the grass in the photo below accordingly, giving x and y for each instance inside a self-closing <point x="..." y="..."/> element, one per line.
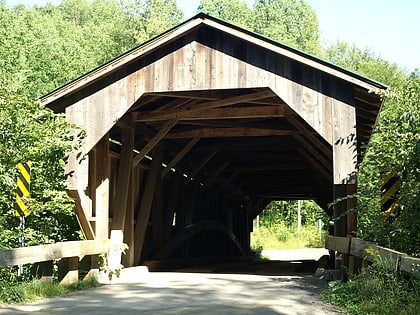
<point x="282" y="237"/>
<point x="28" y="291"/>
<point x="376" y="290"/>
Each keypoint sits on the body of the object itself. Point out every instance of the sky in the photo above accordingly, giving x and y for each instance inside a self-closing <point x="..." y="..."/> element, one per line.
<point x="389" y="28"/>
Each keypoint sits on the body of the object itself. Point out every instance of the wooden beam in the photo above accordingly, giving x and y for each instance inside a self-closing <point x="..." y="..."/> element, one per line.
<point x="320" y="168"/>
<point x="227" y="182"/>
<point x="227" y="132"/>
<point x="203" y="162"/>
<point x="143" y="212"/>
<point x="312" y="138"/>
<point x="216" y="173"/>
<point x="154" y="141"/>
<point x="84" y="223"/>
<point x="308" y="145"/>
<point x="102" y="174"/>
<point x="217" y="113"/>
<point x="180" y="155"/>
<point x="338" y="243"/>
<point x="33" y="254"/>
<point x="123" y="180"/>
<point x="157" y="215"/>
<point x="198" y="95"/>
<point x="175" y="113"/>
<point x="267" y="166"/>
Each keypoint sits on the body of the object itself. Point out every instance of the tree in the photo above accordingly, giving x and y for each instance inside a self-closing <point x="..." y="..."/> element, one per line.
<point x="234" y="11"/>
<point x="364" y="62"/>
<point x="292" y="22"/>
<point x="29" y="132"/>
<point x="395" y="146"/>
<point x="149" y="18"/>
<point x="45" y="47"/>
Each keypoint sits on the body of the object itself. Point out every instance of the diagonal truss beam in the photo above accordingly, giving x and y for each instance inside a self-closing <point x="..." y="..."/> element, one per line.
<point x="154" y="141"/>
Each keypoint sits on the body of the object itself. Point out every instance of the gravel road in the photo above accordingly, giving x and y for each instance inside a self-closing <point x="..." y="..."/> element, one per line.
<point x="284" y="286"/>
<point x="142" y="292"/>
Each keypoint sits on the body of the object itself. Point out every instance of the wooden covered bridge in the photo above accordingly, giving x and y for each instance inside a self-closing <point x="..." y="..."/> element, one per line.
<point x="193" y="133"/>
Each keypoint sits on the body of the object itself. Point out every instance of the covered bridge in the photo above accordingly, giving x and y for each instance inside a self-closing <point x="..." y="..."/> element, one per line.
<point x="193" y="133"/>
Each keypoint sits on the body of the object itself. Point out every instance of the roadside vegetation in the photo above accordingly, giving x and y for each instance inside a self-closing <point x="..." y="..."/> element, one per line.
<point x="43" y="47"/>
<point x="32" y="290"/>
<point x="376" y="290"/>
<point x="277" y="226"/>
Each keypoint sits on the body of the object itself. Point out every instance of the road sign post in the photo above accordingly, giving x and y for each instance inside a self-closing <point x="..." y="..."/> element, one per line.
<point x="23" y="191"/>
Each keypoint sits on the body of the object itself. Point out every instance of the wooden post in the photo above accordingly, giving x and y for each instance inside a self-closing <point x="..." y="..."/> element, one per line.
<point x="157" y="215"/>
<point x="102" y="188"/>
<point x="345" y="169"/>
<point x="43" y="270"/>
<point x="68" y="271"/>
<point x="123" y="180"/>
<point x="143" y="213"/>
<point x="134" y="192"/>
<point x="93" y="265"/>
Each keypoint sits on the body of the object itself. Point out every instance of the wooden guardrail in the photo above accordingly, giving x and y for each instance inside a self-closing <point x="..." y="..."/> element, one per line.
<point x="68" y="253"/>
<point x="368" y="250"/>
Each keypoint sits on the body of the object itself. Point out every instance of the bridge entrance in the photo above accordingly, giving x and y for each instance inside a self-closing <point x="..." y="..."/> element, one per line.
<point x="192" y="134"/>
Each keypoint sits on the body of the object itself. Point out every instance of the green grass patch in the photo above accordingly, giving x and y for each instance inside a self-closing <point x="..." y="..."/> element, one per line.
<point x="283" y="237"/>
<point x="28" y="291"/>
<point x="376" y="290"/>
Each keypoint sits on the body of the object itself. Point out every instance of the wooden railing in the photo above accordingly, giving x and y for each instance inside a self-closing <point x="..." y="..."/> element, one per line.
<point x="70" y="255"/>
<point x="367" y="251"/>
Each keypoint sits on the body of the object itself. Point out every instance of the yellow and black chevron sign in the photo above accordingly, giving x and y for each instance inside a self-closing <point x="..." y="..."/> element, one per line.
<point x="23" y="188"/>
<point x="390" y="190"/>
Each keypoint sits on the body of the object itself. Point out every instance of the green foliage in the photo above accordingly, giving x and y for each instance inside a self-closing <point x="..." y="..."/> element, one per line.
<point x="291" y="22"/>
<point x="29" y="132"/>
<point x="285" y="213"/>
<point x="278" y="226"/>
<point x="364" y="62"/>
<point x="283" y="237"/>
<point x="394" y="146"/>
<point x="376" y="290"/>
<point x="234" y="11"/>
<point x="42" y="48"/>
<point x="36" y="289"/>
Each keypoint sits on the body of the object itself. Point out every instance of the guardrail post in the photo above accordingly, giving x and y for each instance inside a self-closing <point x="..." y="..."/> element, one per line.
<point x="68" y="270"/>
<point x="91" y="263"/>
<point x="43" y="270"/>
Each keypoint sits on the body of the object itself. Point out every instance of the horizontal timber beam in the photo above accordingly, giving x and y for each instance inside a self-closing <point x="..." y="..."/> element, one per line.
<point x="218" y="113"/>
<point x="227" y="132"/>
<point x="173" y="114"/>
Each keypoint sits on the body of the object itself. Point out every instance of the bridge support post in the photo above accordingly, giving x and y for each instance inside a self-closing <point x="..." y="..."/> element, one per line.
<point x="344" y="174"/>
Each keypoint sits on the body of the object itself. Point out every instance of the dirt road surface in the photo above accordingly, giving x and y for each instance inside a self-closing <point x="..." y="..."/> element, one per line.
<point x="140" y="292"/>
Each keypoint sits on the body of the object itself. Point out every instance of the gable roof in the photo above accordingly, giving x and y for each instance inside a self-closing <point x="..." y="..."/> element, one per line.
<point x="200" y="20"/>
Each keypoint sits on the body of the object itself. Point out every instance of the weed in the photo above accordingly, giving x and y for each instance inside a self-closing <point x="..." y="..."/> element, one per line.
<point x="28" y="291"/>
<point x="376" y="290"/>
